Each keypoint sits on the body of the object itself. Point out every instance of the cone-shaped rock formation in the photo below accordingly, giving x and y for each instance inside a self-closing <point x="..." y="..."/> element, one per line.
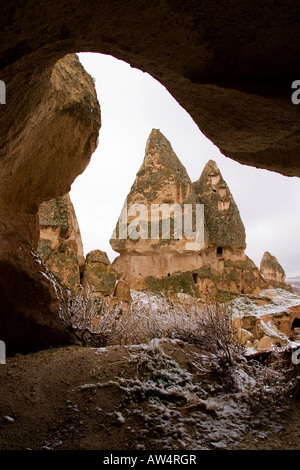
<point x="273" y="272"/>
<point x="169" y="262"/>
<point x="161" y="182"/>
<point x="222" y="218"/>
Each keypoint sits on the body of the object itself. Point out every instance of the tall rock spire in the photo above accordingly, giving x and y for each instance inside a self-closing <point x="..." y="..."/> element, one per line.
<point x="222" y="218"/>
<point x="161" y="180"/>
<point x="162" y="177"/>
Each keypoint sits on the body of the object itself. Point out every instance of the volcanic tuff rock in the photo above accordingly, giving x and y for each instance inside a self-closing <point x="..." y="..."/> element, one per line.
<point x="162" y="179"/>
<point x="99" y="277"/>
<point x="230" y="65"/>
<point x="222" y="218"/>
<point x="273" y="272"/>
<point x="60" y="245"/>
<point x="169" y="264"/>
<point x="57" y="139"/>
<point x="229" y="267"/>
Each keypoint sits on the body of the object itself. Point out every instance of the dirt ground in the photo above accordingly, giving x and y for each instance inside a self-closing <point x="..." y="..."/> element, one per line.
<point x="68" y="398"/>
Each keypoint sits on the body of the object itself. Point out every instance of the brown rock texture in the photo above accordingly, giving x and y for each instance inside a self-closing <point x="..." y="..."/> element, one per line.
<point x="229" y="267"/>
<point x="29" y="301"/>
<point x="273" y="272"/>
<point x="99" y="277"/>
<point x="122" y="291"/>
<point x="54" y="145"/>
<point x="60" y="245"/>
<point x="230" y="66"/>
<point x="57" y="143"/>
<point x="152" y="245"/>
<point x="162" y="179"/>
<point x="222" y="218"/>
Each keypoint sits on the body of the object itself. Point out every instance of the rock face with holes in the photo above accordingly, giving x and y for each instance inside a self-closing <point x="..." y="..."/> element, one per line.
<point x="58" y="138"/>
<point x="60" y="245"/>
<point x="273" y="272"/>
<point x="224" y="262"/>
<point x="155" y="252"/>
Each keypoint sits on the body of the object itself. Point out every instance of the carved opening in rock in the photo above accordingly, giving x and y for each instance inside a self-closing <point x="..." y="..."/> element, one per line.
<point x="296" y="323"/>
<point x="219" y="251"/>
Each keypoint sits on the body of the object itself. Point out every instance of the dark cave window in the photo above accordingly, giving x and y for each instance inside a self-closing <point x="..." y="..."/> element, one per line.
<point x="296" y="323"/>
<point x="219" y="251"/>
<point x="195" y="278"/>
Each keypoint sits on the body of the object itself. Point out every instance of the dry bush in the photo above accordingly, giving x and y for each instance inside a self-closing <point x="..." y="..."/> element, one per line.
<point x="208" y="326"/>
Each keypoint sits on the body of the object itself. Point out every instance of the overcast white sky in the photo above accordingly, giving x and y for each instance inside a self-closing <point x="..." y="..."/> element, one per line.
<point x="132" y="104"/>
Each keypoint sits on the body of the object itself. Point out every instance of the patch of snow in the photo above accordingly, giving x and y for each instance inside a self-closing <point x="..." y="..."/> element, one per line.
<point x="279" y="300"/>
<point x="9" y="419"/>
<point x="120" y="417"/>
<point x="87" y="387"/>
<point x="100" y="350"/>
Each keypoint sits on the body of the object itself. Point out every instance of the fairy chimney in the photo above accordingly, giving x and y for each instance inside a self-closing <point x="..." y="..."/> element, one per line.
<point x="169" y="261"/>
<point x="273" y="272"/>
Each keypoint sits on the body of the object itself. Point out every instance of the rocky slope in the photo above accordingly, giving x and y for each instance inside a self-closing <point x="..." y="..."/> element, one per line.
<point x="76" y="398"/>
<point x="60" y="245"/>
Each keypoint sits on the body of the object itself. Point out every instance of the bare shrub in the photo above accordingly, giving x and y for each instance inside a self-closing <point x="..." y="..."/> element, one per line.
<point x="209" y="326"/>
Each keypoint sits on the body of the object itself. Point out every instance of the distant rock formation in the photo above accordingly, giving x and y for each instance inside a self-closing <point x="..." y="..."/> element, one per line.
<point x="223" y="222"/>
<point x="60" y="245"/>
<point x="99" y="277"/>
<point x="162" y="179"/>
<point x="171" y="261"/>
<point x="156" y="252"/>
<point x="273" y="272"/>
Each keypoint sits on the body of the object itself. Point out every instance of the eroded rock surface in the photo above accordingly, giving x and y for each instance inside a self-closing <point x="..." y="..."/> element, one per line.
<point x="230" y="66"/>
<point x="273" y="272"/>
<point x="169" y="261"/>
<point x="99" y="277"/>
<point x="60" y="245"/>
<point x="54" y="146"/>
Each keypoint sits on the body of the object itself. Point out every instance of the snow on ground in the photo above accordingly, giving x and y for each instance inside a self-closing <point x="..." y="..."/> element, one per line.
<point x="180" y="412"/>
<point x="278" y="300"/>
